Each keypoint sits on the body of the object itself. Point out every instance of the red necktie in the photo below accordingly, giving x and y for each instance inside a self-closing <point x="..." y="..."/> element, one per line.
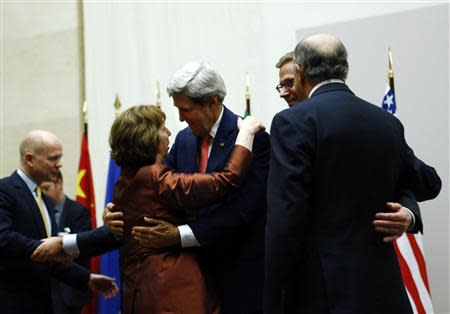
<point x="204" y="153"/>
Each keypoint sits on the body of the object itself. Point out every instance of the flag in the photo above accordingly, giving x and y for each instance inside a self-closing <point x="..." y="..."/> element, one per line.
<point x="85" y="196"/>
<point x="389" y="104"/>
<point x="409" y="247"/>
<point x="109" y="262"/>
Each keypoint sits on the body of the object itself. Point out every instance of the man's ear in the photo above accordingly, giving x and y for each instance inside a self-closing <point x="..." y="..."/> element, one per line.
<point x="28" y="159"/>
<point x="299" y="74"/>
<point x="213" y="100"/>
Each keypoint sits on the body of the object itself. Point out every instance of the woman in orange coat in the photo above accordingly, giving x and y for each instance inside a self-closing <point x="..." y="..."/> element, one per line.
<point x="157" y="282"/>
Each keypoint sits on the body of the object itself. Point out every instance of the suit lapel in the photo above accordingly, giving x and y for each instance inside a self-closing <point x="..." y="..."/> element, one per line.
<point x="32" y="206"/>
<point x="191" y="153"/>
<point x="223" y="142"/>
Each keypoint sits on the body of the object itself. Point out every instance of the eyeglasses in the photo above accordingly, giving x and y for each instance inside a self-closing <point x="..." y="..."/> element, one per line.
<point x="288" y="83"/>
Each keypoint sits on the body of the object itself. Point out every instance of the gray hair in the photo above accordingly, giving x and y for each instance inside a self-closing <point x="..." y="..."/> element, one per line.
<point x="199" y="81"/>
<point x="286" y="58"/>
<point x="322" y="57"/>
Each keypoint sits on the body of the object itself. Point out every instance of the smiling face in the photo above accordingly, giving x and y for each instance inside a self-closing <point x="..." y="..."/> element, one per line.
<point x="200" y="118"/>
<point x="287" y="90"/>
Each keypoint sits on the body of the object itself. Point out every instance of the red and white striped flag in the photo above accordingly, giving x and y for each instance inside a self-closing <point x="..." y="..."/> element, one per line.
<point x="409" y="247"/>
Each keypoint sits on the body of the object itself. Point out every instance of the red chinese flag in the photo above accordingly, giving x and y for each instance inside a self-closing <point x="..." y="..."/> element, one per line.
<point x="85" y="196"/>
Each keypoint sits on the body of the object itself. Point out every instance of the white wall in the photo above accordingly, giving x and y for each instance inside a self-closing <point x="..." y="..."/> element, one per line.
<point x="41" y="83"/>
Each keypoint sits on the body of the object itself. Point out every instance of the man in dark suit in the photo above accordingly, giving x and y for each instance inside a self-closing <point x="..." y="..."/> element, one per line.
<point x="70" y="217"/>
<point x="336" y="160"/>
<point x="26" y="217"/>
<point x="403" y="216"/>
<point x="230" y="234"/>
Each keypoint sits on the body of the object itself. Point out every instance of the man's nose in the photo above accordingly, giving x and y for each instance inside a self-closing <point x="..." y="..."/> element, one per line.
<point x="181" y="117"/>
<point x="284" y="92"/>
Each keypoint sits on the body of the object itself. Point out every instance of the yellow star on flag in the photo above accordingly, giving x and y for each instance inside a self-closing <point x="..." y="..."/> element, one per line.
<point x="80" y="176"/>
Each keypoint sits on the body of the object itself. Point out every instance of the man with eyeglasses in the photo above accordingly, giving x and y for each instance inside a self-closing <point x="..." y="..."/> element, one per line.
<point x="286" y="73"/>
<point x="405" y="215"/>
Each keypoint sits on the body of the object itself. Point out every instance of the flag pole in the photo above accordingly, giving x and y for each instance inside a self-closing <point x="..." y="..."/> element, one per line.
<point x="158" y="95"/>
<point x="247" y="95"/>
<point x="391" y="73"/>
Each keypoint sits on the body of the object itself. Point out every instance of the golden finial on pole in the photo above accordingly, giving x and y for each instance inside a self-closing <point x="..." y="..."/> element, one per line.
<point x="158" y="95"/>
<point x="391" y="73"/>
<point x="85" y="115"/>
<point x="117" y="105"/>
<point x="247" y="95"/>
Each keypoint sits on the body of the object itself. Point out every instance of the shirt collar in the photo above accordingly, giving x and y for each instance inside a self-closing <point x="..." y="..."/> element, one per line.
<point x="324" y="83"/>
<point x="59" y="207"/>
<point x="215" y="126"/>
<point x="30" y="183"/>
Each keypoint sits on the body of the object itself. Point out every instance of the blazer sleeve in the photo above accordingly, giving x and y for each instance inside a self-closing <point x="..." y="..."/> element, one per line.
<point x="187" y="190"/>
<point x="241" y="208"/>
<point x="416" y="176"/>
<point x="73" y="274"/>
<point x="407" y="199"/>
<point x="97" y="241"/>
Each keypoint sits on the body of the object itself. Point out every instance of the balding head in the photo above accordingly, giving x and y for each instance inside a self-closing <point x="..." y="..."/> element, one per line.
<point x="326" y="44"/>
<point x="321" y="57"/>
<point x="40" y="154"/>
<point x="35" y="142"/>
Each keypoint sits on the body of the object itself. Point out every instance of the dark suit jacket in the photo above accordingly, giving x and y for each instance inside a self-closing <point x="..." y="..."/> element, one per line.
<point x="65" y="298"/>
<point x="231" y="233"/>
<point x="336" y="160"/>
<point x="24" y="285"/>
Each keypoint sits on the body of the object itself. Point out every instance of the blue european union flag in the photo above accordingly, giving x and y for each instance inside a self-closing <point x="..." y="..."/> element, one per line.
<point x="388" y="102"/>
<point x="109" y="262"/>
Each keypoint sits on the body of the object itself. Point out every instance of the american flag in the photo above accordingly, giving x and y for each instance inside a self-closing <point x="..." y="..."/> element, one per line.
<point x="409" y="247"/>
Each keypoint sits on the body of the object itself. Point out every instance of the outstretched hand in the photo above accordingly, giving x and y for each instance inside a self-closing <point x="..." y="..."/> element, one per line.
<point x="394" y="223"/>
<point x="104" y="285"/>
